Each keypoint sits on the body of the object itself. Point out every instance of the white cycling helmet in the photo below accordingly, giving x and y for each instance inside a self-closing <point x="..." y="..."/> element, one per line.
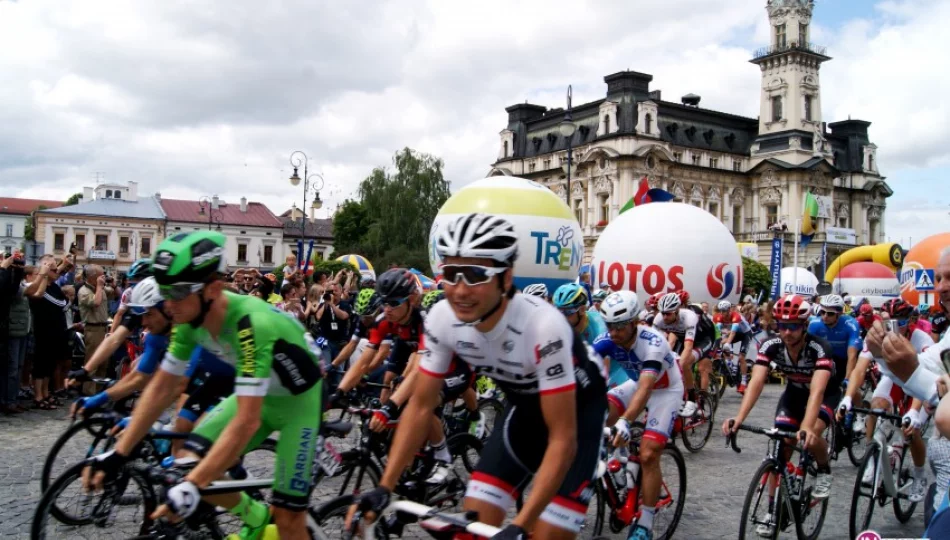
<point x="833" y="302"/>
<point x="816" y="309"/>
<point x="669" y="302"/>
<point x="481" y="236"/>
<point x="620" y="306"/>
<point x="145" y="296"/>
<point x="725" y="305"/>
<point x="536" y="289"/>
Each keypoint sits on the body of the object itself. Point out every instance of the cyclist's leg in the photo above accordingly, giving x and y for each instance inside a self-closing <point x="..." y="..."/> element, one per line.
<point x="499" y="477"/>
<point x="885" y="395"/>
<point x="743" y="349"/>
<point x="663" y="406"/>
<point x="298" y="420"/>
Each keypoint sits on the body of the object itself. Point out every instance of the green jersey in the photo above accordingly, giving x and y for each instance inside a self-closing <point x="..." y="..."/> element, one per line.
<point x="272" y="353"/>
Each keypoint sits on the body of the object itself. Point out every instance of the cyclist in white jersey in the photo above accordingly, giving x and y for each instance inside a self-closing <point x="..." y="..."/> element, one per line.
<point x="679" y="324"/>
<point x="553" y="382"/>
<point x="655" y="384"/>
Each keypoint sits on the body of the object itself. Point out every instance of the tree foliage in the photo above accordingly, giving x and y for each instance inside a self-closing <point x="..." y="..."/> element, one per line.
<point x="756" y="275"/>
<point x="73" y="199"/>
<point x="28" y="232"/>
<point x="350" y="223"/>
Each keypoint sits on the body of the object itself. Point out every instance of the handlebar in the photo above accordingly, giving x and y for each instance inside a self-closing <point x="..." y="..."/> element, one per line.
<point x="772" y="433"/>
<point x="881" y="413"/>
<point x="464" y="522"/>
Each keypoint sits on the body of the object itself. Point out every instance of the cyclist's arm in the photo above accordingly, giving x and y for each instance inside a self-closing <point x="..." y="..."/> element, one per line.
<point x="108" y="346"/>
<point x="760" y="375"/>
<point x="225" y="451"/>
<point x="731" y="335"/>
<point x="346" y="352"/>
<point x="117" y="318"/>
<point x="362" y="366"/>
<point x="414" y="427"/>
<point x="384" y="351"/>
<point x="133" y="382"/>
<point x="856" y="376"/>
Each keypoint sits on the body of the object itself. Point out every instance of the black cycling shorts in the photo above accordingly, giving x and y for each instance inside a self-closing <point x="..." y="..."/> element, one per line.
<point x="790" y="410"/>
<point x="514" y="452"/>
<point x="743" y="339"/>
<point x="205" y="390"/>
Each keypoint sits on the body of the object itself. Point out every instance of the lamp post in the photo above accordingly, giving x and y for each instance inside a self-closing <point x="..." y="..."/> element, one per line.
<point x="209" y="205"/>
<point x="298" y="159"/>
<point x="567" y="129"/>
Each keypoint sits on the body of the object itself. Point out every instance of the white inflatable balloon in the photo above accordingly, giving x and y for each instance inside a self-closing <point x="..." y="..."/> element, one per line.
<point x="667" y="247"/>
<point x="551" y="244"/>
<point x="803" y="282"/>
<point x="870" y="280"/>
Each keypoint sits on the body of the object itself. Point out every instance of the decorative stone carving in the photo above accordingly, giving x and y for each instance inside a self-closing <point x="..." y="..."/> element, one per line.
<point x="841" y="210"/>
<point x="737" y="195"/>
<point x="771" y="195"/>
<point x="678" y="191"/>
<point x="874" y="213"/>
<point x="714" y="194"/>
<point x="560" y="191"/>
<point x="577" y="189"/>
<point x="696" y="194"/>
<point x="604" y="185"/>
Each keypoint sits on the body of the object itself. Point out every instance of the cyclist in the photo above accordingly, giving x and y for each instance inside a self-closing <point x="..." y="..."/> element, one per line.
<point x="572" y="301"/>
<point x="138" y="271"/>
<point x="810" y="397"/>
<point x="938" y="321"/>
<point x="842" y="333"/>
<point x="866" y="318"/>
<point x="918" y="322"/>
<point x="686" y="338"/>
<point x="556" y="393"/>
<point x="598" y="298"/>
<point x="278" y="388"/>
<point x="890" y="396"/>
<point x="655" y="383"/>
<point x="368" y="309"/>
<point x="538" y="289"/>
<point x="736" y="330"/>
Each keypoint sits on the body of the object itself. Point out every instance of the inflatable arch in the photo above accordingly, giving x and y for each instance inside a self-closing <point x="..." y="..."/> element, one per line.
<point x="890" y="255"/>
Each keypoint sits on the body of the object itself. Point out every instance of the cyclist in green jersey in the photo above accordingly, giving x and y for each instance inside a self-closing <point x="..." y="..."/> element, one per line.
<point x="277" y="388"/>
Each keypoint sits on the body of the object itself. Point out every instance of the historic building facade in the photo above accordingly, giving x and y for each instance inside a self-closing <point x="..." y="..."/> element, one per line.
<point x="751" y="173"/>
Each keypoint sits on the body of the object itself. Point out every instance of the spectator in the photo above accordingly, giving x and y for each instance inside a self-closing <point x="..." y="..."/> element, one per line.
<point x="290" y="301"/>
<point x="48" y="305"/>
<point x="333" y="318"/>
<point x="290" y="267"/>
<point x="94" y="295"/>
<point x="11" y="275"/>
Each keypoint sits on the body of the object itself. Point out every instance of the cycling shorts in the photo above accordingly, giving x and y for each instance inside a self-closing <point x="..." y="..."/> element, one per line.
<point x="662" y="408"/>
<point x="398" y="359"/>
<point x="514" y="450"/>
<point x="297" y="418"/>
<point x="702" y="346"/>
<point x="205" y="390"/>
<point x="790" y="410"/>
<point x="742" y="339"/>
<point x="892" y="393"/>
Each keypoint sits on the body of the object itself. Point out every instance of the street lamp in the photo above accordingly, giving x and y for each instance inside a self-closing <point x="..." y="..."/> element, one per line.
<point x="209" y="205"/>
<point x="567" y="129"/>
<point x="298" y="159"/>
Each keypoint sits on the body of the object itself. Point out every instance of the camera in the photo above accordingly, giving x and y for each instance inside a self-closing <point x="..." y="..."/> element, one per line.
<point x="893" y="326"/>
<point x="327" y="297"/>
<point x="73" y="250"/>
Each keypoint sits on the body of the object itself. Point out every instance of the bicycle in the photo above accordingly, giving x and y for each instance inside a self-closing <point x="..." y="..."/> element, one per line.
<point x="398" y="514"/>
<point x="695" y="430"/>
<point x="889" y="482"/>
<point x="723" y="375"/>
<point x="794" y="501"/>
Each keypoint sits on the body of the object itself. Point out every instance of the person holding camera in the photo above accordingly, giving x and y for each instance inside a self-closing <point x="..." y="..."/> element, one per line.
<point x="333" y="316"/>
<point x="94" y="295"/>
<point x="12" y="328"/>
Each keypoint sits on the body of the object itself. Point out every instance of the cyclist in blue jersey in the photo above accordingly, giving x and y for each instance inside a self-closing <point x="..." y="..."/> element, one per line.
<point x="572" y="301"/>
<point x="842" y="332"/>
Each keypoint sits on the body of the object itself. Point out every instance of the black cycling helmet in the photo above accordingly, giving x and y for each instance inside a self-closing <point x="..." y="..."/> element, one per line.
<point x="396" y="284"/>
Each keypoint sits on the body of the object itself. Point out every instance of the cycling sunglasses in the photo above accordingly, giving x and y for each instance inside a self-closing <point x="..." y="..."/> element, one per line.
<point x="617" y="325"/>
<point x="395" y="302"/>
<point x="825" y="313"/>
<point x="473" y="274"/>
<point x="569" y="311"/>
<point x="180" y="291"/>
<point x="789" y="326"/>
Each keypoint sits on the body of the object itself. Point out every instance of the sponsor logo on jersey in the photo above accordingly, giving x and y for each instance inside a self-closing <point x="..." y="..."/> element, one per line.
<point x="508" y="346"/>
<point x="204" y="258"/>
<point x="301" y="480"/>
<point x="722" y="280"/>
<point x="555" y="371"/>
<point x="295" y="377"/>
<point x="248" y="347"/>
<point x="550" y="348"/>
<point x="465" y="345"/>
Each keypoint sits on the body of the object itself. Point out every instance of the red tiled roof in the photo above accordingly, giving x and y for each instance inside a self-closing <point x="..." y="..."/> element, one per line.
<point x="257" y="214"/>
<point x="23" y="207"/>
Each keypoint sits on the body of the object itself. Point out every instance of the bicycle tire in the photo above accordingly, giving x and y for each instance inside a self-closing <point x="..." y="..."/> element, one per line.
<point x="762" y="475"/>
<point x="101" y="425"/>
<point x="498" y="411"/>
<point x="799" y="521"/>
<point x="706" y="409"/>
<point x="854" y="528"/>
<point x="337" y="507"/>
<point x="903" y="475"/>
<point x="680" y="501"/>
<point x="457" y="445"/>
<point x="44" y="509"/>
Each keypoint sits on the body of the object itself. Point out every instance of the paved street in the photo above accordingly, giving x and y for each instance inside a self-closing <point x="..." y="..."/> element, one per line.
<point x="717" y="478"/>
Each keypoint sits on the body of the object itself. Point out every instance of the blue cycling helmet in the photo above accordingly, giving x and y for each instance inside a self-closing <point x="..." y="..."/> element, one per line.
<point x="140" y="269"/>
<point x="924" y="309"/>
<point x="569" y="296"/>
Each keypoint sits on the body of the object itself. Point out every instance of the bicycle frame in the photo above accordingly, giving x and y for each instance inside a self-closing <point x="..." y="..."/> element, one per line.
<point x="883" y="473"/>
<point x="628" y="509"/>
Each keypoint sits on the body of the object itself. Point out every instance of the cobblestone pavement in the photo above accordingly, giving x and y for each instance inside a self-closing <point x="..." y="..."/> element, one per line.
<point x="717" y="478"/>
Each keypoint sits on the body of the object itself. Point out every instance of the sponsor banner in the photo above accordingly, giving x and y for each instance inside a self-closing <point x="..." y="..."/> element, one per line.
<point x="840" y="235"/>
<point x="775" y="268"/>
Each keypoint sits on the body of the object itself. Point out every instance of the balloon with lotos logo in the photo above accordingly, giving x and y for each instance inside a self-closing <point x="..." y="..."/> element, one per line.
<point x="550" y="242"/>
<point x="667" y="247"/>
<point x="924" y="255"/>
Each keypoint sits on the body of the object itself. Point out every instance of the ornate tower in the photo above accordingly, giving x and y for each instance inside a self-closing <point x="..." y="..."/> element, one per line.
<point x="790" y="125"/>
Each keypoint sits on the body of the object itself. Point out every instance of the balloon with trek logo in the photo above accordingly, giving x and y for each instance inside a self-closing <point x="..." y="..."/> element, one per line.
<point x="550" y="242"/>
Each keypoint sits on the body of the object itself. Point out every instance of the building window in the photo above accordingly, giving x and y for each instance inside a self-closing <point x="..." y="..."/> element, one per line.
<point x="802" y="33"/>
<point x="872" y="232"/>
<point x="269" y="254"/>
<point x="123" y="245"/>
<point x="808" y="100"/>
<point x="242" y="253"/>
<point x="771" y="214"/>
<point x="108" y="193"/>
<point x="736" y="219"/>
<point x="697" y="204"/>
<point x="604" y="208"/>
<point x="579" y="212"/>
<point x="714" y="163"/>
<point x="118" y="194"/>
<point x="606" y="123"/>
<point x="780" y="37"/>
<point x="648" y="128"/>
<point x="696" y="159"/>
<point x="506" y="149"/>
<point x="714" y="209"/>
<point x="547" y="164"/>
<point x="737" y="165"/>
<point x="871" y="162"/>
<point x="843" y="222"/>
<point x="9" y="229"/>
<point x="58" y="240"/>
<point x="678" y="157"/>
<point x="146" y="246"/>
<point x="776" y="108"/>
<point x="80" y="242"/>
<point x="531" y="167"/>
<point x="102" y="241"/>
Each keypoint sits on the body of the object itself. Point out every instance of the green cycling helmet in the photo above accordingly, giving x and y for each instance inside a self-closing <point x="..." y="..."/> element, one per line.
<point x="432" y="298"/>
<point x="193" y="257"/>
<point x="140" y="269"/>
<point x="599" y="295"/>
<point x="368" y="302"/>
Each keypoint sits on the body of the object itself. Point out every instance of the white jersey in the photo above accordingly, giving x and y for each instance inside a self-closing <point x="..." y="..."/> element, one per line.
<point x="528" y="352"/>
<point x="651" y="354"/>
<point x="918" y="338"/>
<point x="684" y="327"/>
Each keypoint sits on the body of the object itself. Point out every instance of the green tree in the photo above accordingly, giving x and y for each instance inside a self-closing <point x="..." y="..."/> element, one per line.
<point x="350" y="224"/>
<point x="73" y="199"/>
<point x="756" y="275"/>
<point x="28" y="232"/>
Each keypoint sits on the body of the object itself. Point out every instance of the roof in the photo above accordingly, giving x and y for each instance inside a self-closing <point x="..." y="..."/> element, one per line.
<point x="186" y="211"/>
<point x="23" y="207"/>
<point x="144" y="208"/>
<point x="315" y="228"/>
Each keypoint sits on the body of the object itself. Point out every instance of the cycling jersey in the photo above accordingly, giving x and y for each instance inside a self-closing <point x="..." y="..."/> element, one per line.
<point x="843" y="335"/>
<point x="922" y="324"/>
<point x="865" y="324"/>
<point x="153" y="351"/>
<point x="361" y="331"/>
<point x="617" y="375"/>
<point x="738" y="323"/>
<point x="939" y="323"/>
<point x="595" y="326"/>
<point x="650" y="354"/>
<point x="815" y="355"/>
<point x="886" y="389"/>
<point x="684" y="327"/>
<point x="405" y="338"/>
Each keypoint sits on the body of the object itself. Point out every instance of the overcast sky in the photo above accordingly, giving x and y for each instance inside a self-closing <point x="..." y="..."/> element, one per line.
<point x="199" y="98"/>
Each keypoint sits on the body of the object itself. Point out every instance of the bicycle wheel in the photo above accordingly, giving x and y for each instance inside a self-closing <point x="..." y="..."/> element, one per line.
<point x="669" y="507"/>
<point x="863" y="496"/>
<point x="596" y="510"/>
<point x="857" y="445"/>
<point x="354" y="474"/>
<point x="109" y="509"/>
<point x="697" y="429"/>
<point x="755" y="509"/>
<point x="903" y="477"/>
<point x="80" y="441"/>
<point x="330" y="517"/>
<point x="493" y="410"/>
<point x="811" y="511"/>
<point x="466" y="447"/>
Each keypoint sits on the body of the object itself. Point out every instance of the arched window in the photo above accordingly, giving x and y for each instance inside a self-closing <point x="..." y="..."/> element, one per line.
<point x="108" y="193"/>
<point x="606" y="123"/>
<point x="648" y="127"/>
<point x="870" y="162"/>
<point x="505" y="154"/>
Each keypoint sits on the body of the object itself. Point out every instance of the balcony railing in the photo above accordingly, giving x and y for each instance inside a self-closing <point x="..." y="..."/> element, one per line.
<point x="776" y="49"/>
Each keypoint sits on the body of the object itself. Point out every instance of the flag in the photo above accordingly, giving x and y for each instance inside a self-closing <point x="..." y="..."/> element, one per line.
<point x="809" y="216"/>
<point x="646" y="195"/>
